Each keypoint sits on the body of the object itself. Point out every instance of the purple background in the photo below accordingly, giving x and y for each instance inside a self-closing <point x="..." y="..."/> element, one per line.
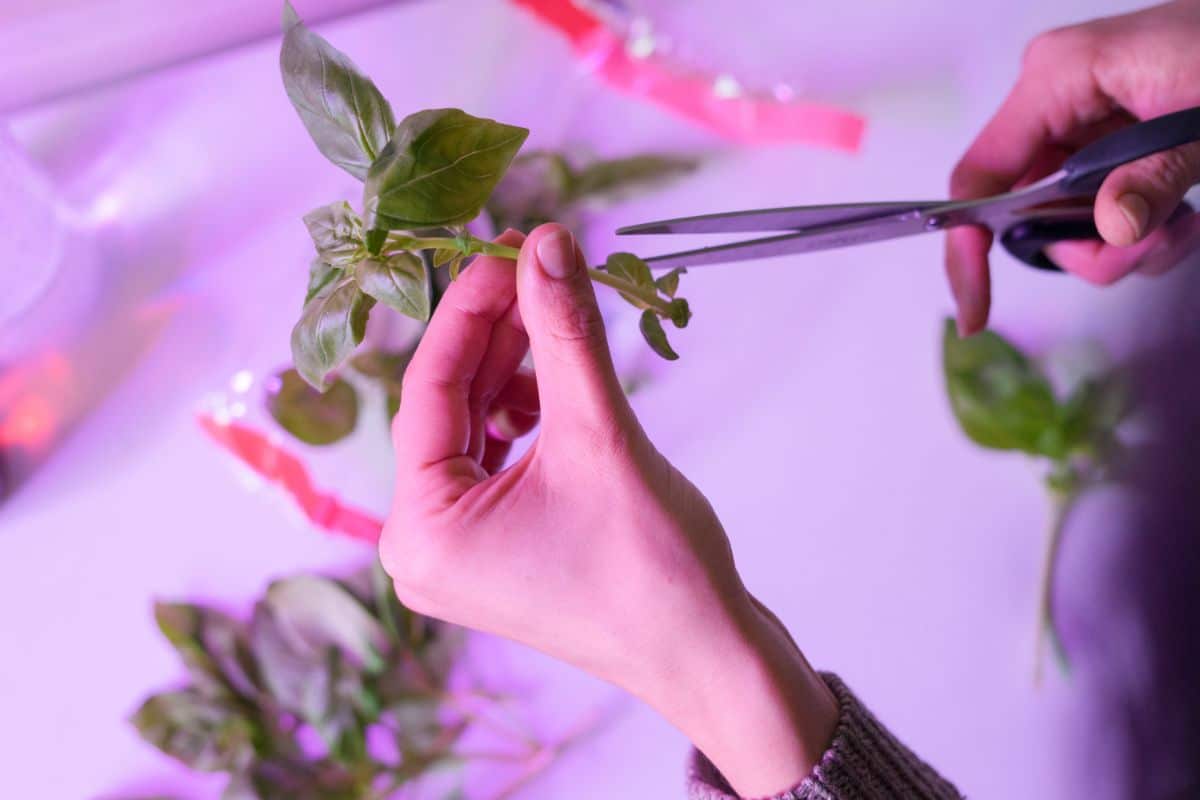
<point x="808" y="403"/>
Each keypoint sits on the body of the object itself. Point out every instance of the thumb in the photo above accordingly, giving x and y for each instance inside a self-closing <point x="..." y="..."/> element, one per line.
<point x="558" y="308"/>
<point x="1139" y="197"/>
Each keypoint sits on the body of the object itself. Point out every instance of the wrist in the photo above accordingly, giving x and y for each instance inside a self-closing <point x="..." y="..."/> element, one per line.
<point x="748" y="699"/>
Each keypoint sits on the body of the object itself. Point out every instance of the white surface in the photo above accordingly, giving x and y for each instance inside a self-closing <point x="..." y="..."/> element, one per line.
<point x="808" y="403"/>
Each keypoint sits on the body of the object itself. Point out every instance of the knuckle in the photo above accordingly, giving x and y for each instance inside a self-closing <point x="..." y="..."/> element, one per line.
<point x="1051" y="47"/>
<point x="1176" y="169"/>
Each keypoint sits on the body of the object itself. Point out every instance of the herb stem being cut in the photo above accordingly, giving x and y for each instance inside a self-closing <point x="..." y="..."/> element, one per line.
<point x="472" y="246"/>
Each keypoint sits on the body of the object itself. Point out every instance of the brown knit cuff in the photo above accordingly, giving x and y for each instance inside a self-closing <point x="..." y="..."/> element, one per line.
<point x="863" y="761"/>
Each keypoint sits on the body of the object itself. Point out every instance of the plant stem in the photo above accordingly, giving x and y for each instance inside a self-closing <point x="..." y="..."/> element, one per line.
<point x="470" y="245"/>
<point x="1061" y="502"/>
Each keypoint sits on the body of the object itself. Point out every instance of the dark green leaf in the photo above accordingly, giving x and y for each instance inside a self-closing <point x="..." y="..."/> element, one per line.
<point x="206" y="733"/>
<point x="337" y="233"/>
<point x="668" y="283"/>
<point x="617" y="176"/>
<point x="345" y="114"/>
<point x="213" y="646"/>
<point x="1000" y="399"/>
<point x="311" y="416"/>
<point x="438" y="169"/>
<point x="399" y="281"/>
<point x="656" y="337"/>
<point x="386" y="365"/>
<point x="533" y="191"/>
<point x="320" y="275"/>
<point x="629" y="267"/>
<point x="680" y="313"/>
<point x="331" y="326"/>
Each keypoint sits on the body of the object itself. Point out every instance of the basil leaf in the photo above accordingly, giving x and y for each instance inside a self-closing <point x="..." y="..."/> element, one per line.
<point x="532" y="191"/>
<point x="314" y="614"/>
<point x="398" y="281"/>
<point x="1093" y="411"/>
<point x="206" y="733"/>
<point x="655" y="336"/>
<point x="337" y="233"/>
<point x="629" y="267"/>
<point x="999" y="398"/>
<point x="345" y="114"/>
<point x="603" y="179"/>
<point x="680" y="312"/>
<point x="438" y="169"/>
<point x="331" y="326"/>
<point x="311" y="416"/>
<point x="320" y="275"/>
<point x="213" y="646"/>
<point x="443" y="256"/>
<point x="384" y="365"/>
<point x="668" y="284"/>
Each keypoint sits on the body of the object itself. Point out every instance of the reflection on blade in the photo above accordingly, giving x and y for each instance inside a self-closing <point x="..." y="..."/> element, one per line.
<point x="827" y="238"/>
<point x="795" y="218"/>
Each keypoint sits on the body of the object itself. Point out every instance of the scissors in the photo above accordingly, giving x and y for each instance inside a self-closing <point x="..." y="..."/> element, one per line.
<point x="1056" y="208"/>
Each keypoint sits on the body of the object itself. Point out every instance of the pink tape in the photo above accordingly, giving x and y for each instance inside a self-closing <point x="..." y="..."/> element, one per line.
<point x="288" y="472"/>
<point x="748" y="119"/>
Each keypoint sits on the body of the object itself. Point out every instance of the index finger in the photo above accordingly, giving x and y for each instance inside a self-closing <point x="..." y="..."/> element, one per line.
<point x="1037" y="114"/>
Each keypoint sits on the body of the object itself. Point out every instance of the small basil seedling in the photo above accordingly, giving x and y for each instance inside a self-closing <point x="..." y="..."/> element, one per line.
<point x="424" y="179"/>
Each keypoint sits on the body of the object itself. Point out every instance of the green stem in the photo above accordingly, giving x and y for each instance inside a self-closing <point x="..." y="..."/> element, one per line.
<point x="469" y="245"/>
<point x="1061" y="502"/>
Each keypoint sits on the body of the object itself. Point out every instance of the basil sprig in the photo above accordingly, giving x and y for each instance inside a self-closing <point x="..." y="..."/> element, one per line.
<point x="424" y="179"/>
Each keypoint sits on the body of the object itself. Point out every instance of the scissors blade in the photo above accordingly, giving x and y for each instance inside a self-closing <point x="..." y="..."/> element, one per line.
<point x="877" y="229"/>
<point x="794" y="218"/>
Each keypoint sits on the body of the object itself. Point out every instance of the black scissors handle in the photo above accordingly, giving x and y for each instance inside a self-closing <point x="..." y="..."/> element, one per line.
<point x="1085" y="171"/>
<point x="1088" y="168"/>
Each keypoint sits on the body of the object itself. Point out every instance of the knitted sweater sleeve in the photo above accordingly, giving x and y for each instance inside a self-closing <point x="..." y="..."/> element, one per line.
<point x="863" y="762"/>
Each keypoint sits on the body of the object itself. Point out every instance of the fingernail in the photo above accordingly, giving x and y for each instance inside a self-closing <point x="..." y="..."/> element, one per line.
<point x="1136" y="211"/>
<point x="556" y="254"/>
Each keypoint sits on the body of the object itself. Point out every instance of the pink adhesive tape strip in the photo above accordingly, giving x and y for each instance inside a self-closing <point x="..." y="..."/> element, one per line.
<point x="288" y="472"/>
<point x="744" y="118"/>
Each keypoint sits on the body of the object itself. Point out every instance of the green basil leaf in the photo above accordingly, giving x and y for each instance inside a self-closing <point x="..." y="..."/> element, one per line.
<point x="206" y="733"/>
<point x="399" y="281"/>
<point x="438" y="169"/>
<point x="320" y="275"/>
<point x="456" y="265"/>
<point x="214" y="648"/>
<point x="331" y="326"/>
<point x="629" y="267"/>
<point x="655" y="336"/>
<point x="1093" y="411"/>
<point x="337" y="233"/>
<point x="345" y="114"/>
<point x="313" y="417"/>
<point x="680" y="312"/>
<point x="603" y="179"/>
<point x="533" y="191"/>
<point x="999" y="398"/>
<point x="385" y="365"/>
<point x="316" y="613"/>
<point x="668" y="283"/>
<point x="444" y="255"/>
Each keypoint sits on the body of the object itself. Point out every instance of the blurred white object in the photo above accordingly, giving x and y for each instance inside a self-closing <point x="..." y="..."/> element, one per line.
<point x="32" y="229"/>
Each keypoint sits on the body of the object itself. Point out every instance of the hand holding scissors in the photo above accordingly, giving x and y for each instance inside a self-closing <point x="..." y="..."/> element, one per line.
<point x="1097" y="210"/>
